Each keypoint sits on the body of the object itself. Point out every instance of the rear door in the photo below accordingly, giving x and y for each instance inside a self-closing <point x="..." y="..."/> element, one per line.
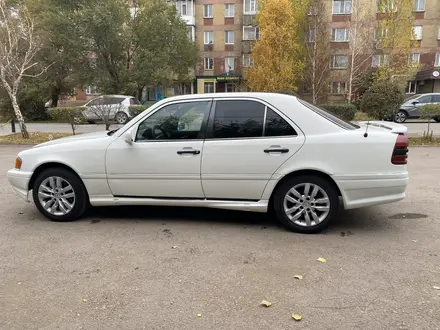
<point x="246" y="142"/>
<point x="423" y="100"/>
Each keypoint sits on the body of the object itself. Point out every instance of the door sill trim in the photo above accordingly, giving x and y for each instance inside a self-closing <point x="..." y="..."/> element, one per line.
<point x="250" y="206"/>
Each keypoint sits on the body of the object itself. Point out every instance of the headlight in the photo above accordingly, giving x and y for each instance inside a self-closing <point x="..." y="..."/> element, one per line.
<point x="18" y="163"/>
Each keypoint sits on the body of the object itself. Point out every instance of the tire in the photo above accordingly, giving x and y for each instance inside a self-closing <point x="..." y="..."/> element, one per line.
<point x="326" y="212"/>
<point x="121" y="118"/>
<point x="50" y="180"/>
<point x="400" y="117"/>
<point x="91" y="122"/>
<point x="437" y="119"/>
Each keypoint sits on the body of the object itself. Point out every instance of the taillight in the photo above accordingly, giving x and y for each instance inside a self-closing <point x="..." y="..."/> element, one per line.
<point x="400" y="151"/>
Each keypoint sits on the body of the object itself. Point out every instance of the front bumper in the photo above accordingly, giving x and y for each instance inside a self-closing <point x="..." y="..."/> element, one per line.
<point x="19" y="180"/>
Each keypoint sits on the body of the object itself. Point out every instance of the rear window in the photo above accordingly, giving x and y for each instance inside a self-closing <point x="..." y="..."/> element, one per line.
<point x="330" y="116"/>
<point x="134" y="101"/>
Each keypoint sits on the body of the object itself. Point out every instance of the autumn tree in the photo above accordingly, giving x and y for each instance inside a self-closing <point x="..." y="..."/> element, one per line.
<point x="278" y="54"/>
<point x="361" y="48"/>
<point x="395" y="35"/>
<point x="317" y="53"/>
<point x="18" y="46"/>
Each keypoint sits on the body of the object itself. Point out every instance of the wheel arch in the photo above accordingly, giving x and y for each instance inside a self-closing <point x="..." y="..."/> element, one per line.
<point x="314" y="172"/>
<point x="42" y="167"/>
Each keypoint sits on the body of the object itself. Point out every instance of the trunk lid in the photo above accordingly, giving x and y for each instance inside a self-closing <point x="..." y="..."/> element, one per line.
<point x="384" y="125"/>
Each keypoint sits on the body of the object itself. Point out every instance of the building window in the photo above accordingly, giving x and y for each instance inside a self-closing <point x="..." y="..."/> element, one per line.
<point x="207" y="11"/>
<point x="339" y="62"/>
<point x="413" y="58"/>
<point x="250" y="6"/>
<point x="247" y="60"/>
<point x="191" y="33"/>
<point x="437" y="59"/>
<point x="229" y="64"/>
<point x="340" y="35"/>
<point x="208" y="37"/>
<point x="419" y="5"/>
<point x="386" y="6"/>
<point x="229" y="88"/>
<point x="251" y="33"/>
<point x="209" y="87"/>
<point x="209" y="63"/>
<point x="418" y="32"/>
<point x="411" y="87"/>
<point x="341" y="6"/>
<point x="229" y="10"/>
<point x="184" y="7"/>
<point x="92" y="90"/>
<point x="311" y="35"/>
<point x="380" y="33"/>
<point x="378" y="61"/>
<point x="229" y="37"/>
<point x="337" y="87"/>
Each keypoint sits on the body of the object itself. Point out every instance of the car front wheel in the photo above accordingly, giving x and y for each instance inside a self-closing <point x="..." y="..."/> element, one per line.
<point x="59" y="195"/>
<point x="437" y="119"/>
<point x="306" y="204"/>
<point x="400" y="117"/>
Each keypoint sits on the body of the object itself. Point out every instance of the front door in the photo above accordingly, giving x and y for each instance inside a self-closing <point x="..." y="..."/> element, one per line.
<point x="424" y="100"/>
<point x="164" y="160"/>
<point x="246" y="143"/>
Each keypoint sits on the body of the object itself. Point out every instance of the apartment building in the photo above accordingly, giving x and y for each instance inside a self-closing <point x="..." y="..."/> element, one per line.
<point x="425" y="51"/>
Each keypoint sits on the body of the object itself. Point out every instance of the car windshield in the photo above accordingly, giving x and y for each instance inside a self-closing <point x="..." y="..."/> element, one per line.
<point x="330" y="116"/>
<point x="411" y="97"/>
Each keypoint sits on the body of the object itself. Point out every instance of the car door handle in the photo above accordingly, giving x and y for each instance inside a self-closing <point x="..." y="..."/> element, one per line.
<point x="276" y="149"/>
<point x="187" y="151"/>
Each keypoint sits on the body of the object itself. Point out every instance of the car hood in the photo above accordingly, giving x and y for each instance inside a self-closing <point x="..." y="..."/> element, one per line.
<point x="74" y="138"/>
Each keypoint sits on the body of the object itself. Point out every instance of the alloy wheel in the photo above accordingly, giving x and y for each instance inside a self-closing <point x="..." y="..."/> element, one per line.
<point x="400" y="117"/>
<point x="306" y="204"/>
<point x="56" y="195"/>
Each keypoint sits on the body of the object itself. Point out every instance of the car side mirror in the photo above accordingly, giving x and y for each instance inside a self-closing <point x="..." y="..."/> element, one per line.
<point x="415" y="102"/>
<point x="130" y="136"/>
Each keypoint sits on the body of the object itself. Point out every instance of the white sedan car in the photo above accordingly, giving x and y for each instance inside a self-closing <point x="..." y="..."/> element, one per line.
<point x="241" y="151"/>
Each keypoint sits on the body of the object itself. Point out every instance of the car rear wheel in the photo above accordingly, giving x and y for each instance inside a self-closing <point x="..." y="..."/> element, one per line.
<point x="59" y="195"/>
<point x="121" y="118"/>
<point x="306" y="204"/>
<point x="437" y="119"/>
<point x="400" y="117"/>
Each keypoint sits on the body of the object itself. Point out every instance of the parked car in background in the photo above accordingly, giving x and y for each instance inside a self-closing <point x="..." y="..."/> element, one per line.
<point x="236" y="151"/>
<point x="410" y="109"/>
<point x="114" y="107"/>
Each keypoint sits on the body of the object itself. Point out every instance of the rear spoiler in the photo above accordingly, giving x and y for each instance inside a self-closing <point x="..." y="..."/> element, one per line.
<point x="391" y="126"/>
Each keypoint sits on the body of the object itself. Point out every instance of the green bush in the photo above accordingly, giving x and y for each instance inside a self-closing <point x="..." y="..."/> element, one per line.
<point x="73" y="116"/>
<point x="361" y="116"/>
<point x="429" y="111"/>
<point x="137" y="109"/>
<point x="345" y="111"/>
<point x="381" y="100"/>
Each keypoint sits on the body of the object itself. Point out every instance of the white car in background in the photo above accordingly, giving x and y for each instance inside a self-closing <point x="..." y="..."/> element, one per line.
<point x="114" y="107"/>
<point x="237" y="151"/>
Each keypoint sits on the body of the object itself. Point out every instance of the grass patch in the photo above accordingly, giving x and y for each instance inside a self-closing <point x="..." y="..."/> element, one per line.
<point x="34" y="138"/>
<point x="420" y="141"/>
<point x="362" y="116"/>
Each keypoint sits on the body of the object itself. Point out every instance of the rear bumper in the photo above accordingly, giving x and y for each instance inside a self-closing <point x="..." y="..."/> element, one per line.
<point x="368" y="190"/>
<point x="19" y="180"/>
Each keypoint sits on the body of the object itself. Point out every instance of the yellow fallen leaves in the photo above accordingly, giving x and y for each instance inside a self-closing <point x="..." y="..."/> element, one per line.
<point x="436" y="287"/>
<point x="199" y="315"/>
<point x="174" y="247"/>
<point x="298" y="277"/>
<point x="297" y="317"/>
<point x="321" y="259"/>
<point x="34" y="138"/>
<point x="84" y="299"/>
<point x="266" y="303"/>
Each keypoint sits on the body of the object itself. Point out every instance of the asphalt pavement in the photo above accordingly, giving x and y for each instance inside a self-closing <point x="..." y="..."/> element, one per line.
<point x="415" y="128"/>
<point x="117" y="268"/>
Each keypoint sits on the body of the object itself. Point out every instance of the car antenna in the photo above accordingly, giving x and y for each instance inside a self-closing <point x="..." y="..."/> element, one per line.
<point x="366" y="130"/>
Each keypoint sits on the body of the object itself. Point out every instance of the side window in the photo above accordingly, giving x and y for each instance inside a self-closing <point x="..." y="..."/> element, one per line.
<point x="436" y="98"/>
<point x="276" y="125"/>
<point x="94" y="102"/>
<point x="238" y="119"/>
<point x="175" y="122"/>
<point x="134" y="101"/>
<point x="425" y="99"/>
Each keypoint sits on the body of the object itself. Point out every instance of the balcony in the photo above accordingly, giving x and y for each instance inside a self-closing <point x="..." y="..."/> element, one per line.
<point x="246" y="46"/>
<point x="249" y="20"/>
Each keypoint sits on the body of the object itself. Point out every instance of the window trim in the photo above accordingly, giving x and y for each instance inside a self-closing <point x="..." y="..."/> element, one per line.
<point x="255" y="29"/>
<point x="410" y="59"/>
<point x="202" y="133"/>
<point x="419" y="10"/>
<point x="204" y="38"/>
<point x="233" y="11"/>
<point x="415" y="34"/>
<point x="250" y="12"/>
<point x="212" y="10"/>
<point x="210" y="127"/>
<point x="227" y="64"/>
<point x="233" y="37"/>
<point x="347" y="34"/>
<point x="343" y="5"/>
<point x="332" y="62"/>
<point x="437" y="60"/>
<point x="204" y="63"/>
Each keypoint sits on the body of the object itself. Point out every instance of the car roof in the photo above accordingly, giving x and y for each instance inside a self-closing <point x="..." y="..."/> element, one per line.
<point x="260" y="95"/>
<point x="114" y="95"/>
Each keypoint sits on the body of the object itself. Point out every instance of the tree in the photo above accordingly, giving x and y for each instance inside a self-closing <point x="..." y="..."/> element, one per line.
<point x="317" y="52"/>
<point x="395" y="34"/>
<point x="360" y="46"/>
<point x="18" y="46"/>
<point x="278" y="54"/>
<point x="381" y="100"/>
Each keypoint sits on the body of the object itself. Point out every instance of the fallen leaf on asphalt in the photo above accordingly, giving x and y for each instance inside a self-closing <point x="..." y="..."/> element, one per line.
<point x="84" y="299"/>
<point x="266" y="303"/>
<point x="298" y="277"/>
<point x="414" y="240"/>
<point x="174" y="246"/>
<point x="436" y="287"/>
<point x="321" y="260"/>
<point x="297" y="317"/>
<point x="199" y="315"/>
